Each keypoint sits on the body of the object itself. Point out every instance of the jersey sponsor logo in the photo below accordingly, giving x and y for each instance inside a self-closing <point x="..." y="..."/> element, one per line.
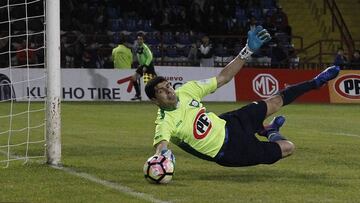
<point x="348" y="86"/>
<point x="265" y="85"/>
<point x="202" y="125"/>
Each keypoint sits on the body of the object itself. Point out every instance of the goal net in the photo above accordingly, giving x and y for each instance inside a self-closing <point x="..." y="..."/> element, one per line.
<point x="24" y="82"/>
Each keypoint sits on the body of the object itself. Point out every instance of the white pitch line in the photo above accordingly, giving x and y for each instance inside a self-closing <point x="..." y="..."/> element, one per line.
<point x="335" y="133"/>
<point x="347" y="134"/>
<point x="115" y="186"/>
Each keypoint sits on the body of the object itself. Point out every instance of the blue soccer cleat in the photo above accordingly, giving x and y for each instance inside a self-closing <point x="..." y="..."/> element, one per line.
<point x="274" y="126"/>
<point x="327" y="75"/>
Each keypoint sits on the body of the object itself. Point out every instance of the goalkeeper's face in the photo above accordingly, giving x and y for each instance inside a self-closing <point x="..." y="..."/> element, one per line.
<point x="165" y="96"/>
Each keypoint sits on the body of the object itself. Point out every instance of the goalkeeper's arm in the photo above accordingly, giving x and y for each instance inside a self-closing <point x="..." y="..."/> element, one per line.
<point x="256" y="38"/>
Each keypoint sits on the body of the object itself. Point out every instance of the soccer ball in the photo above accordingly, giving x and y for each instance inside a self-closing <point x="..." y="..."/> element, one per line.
<point x="158" y="169"/>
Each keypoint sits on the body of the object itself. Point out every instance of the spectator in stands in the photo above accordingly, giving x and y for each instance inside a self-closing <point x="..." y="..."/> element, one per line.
<point x="201" y="4"/>
<point x="254" y="3"/>
<point x="251" y="24"/>
<point x="86" y="59"/>
<point x="4" y="48"/>
<point x="355" y="61"/>
<point x="197" y="18"/>
<point x="206" y="53"/>
<point x="108" y="63"/>
<point x="279" y="57"/>
<point x="340" y="58"/>
<point x="166" y="19"/>
<point x="25" y="54"/>
<point x="212" y="19"/>
<point x="280" y="20"/>
<point x="181" y="20"/>
<point x="100" y="18"/>
<point x="98" y="58"/>
<point x="79" y="46"/>
<point x="217" y="17"/>
<point x="145" y="68"/>
<point x="67" y="52"/>
<point x="193" y="54"/>
<point x="122" y="55"/>
<point x="269" y="26"/>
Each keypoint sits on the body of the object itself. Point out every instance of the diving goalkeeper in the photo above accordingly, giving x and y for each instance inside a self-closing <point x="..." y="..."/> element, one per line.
<point x="228" y="139"/>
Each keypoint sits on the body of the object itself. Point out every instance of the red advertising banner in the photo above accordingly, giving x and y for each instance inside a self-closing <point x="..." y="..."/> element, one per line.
<point x="255" y="84"/>
<point x="346" y="87"/>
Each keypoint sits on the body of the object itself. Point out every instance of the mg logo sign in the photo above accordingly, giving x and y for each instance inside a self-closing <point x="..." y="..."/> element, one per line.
<point x="265" y="85"/>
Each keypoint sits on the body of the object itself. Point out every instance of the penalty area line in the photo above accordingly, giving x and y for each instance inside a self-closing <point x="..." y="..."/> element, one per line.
<point x="116" y="186"/>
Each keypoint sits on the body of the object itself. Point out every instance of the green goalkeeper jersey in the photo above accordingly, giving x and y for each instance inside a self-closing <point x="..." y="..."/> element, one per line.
<point x="144" y="55"/>
<point x="190" y="126"/>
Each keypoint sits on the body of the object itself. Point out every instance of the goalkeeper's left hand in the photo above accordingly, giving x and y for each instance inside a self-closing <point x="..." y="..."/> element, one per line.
<point x="168" y="154"/>
<point x="256" y="38"/>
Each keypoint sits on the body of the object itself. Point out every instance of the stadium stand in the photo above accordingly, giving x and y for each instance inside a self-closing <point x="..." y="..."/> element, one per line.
<point x="170" y="27"/>
<point x="173" y="27"/>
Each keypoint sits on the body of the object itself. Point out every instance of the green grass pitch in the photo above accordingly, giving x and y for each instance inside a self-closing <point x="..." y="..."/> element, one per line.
<point x="111" y="141"/>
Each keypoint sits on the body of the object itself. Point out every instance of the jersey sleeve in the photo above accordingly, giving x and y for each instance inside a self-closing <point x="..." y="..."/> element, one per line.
<point x="163" y="131"/>
<point x="200" y="88"/>
<point x="149" y="56"/>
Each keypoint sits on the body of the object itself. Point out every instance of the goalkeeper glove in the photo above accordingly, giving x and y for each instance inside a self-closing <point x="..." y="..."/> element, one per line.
<point x="168" y="154"/>
<point x="256" y="38"/>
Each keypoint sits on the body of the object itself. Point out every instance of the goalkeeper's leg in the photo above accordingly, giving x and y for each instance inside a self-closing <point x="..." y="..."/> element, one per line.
<point x="288" y="95"/>
<point x="136" y="82"/>
<point x="291" y="93"/>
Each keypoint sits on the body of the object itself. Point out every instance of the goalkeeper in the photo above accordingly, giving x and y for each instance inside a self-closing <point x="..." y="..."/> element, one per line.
<point x="228" y="139"/>
<point x="145" y="68"/>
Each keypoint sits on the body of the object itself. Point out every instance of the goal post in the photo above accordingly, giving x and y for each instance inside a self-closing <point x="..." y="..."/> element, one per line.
<point x="30" y="81"/>
<point x="53" y="98"/>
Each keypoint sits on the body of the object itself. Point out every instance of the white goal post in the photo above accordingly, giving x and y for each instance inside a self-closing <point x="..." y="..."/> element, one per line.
<point x="53" y="124"/>
<point x="30" y="81"/>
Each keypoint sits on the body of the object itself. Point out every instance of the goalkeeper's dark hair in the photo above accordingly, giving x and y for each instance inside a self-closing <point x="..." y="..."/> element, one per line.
<point x="150" y="86"/>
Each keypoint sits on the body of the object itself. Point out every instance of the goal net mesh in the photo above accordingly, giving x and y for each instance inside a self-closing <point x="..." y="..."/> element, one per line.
<point x="22" y="80"/>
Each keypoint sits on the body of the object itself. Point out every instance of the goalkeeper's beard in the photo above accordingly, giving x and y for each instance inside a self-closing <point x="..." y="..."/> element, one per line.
<point x="172" y="97"/>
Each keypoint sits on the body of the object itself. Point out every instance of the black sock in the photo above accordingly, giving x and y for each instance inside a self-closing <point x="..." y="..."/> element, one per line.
<point x="137" y="88"/>
<point x="290" y="93"/>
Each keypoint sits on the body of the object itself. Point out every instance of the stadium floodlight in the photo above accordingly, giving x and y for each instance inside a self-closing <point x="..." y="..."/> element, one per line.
<point x="29" y="59"/>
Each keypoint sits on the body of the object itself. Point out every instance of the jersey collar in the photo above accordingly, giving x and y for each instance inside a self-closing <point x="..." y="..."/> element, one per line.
<point x="171" y="108"/>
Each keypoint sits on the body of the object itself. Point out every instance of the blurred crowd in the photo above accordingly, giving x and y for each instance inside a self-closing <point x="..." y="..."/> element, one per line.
<point x="176" y="31"/>
<point x="173" y="29"/>
<point x="26" y="48"/>
<point x="347" y="62"/>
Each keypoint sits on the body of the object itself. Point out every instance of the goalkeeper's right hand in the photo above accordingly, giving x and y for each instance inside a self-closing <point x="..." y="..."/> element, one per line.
<point x="256" y="38"/>
<point x="169" y="155"/>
